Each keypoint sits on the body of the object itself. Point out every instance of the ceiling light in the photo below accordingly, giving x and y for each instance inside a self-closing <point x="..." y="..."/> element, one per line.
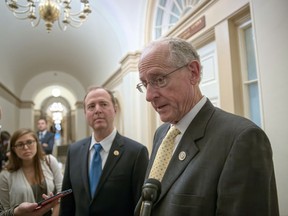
<point x="56" y="92"/>
<point x="50" y="11"/>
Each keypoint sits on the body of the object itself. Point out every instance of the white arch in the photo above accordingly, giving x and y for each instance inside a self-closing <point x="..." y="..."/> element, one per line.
<point x="40" y="87"/>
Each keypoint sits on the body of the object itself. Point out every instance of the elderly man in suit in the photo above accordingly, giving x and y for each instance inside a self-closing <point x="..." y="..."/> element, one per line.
<point x="221" y="164"/>
<point x="122" y="161"/>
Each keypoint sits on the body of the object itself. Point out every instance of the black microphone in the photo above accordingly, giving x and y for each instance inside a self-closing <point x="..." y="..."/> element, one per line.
<point x="150" y="193"/>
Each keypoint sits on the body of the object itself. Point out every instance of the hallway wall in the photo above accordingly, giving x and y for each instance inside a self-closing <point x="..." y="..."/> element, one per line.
<point x="271" y="33"/>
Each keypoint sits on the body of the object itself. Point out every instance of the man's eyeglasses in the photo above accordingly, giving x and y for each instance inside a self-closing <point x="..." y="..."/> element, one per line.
<point x="159" y="82"/>
<point x="28" y="143"/>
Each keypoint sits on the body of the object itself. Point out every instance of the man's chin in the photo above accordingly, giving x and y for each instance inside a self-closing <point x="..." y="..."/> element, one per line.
<point x="164" y="118"/>
<point x="99" y="126"/>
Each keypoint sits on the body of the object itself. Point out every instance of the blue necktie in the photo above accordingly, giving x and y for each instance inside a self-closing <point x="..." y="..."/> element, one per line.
<point x="95" y="169"/>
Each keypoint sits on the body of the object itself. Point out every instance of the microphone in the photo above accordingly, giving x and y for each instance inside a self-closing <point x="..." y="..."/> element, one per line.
<point x="150" y="193"/>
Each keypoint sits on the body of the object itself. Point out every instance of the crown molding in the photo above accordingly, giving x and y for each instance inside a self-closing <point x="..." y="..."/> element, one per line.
<point x="129" y="63"/>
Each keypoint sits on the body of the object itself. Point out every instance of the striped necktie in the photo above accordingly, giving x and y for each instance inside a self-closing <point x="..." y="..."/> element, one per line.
<point x="164" y="154"/>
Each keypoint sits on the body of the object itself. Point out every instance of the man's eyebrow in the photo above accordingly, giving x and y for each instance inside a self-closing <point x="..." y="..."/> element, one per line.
<point x="156" y="74"/>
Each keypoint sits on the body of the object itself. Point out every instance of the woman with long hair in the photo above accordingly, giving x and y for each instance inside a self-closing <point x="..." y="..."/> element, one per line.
<point x="29" y="173"/>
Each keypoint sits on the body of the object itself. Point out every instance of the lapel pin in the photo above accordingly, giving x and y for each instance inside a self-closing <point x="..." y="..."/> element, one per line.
<point x="116" y="152"/>
<point x="182" y="155"/>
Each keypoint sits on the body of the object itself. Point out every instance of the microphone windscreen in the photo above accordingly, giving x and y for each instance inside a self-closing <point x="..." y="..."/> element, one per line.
<point x="152" y="181"/>
<point x="151" y="189"/>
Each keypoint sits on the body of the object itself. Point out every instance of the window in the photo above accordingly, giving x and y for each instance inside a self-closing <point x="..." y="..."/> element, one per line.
<point x="251" y="96"/>
<point x="168" y="12"/>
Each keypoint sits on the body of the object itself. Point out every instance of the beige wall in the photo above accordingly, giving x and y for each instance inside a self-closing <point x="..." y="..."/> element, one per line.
<point x="271" y="32"/>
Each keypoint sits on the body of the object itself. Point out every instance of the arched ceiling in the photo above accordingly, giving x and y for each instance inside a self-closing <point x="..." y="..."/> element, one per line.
<point x="89" y="54"/>
<point x="40" y="87"/>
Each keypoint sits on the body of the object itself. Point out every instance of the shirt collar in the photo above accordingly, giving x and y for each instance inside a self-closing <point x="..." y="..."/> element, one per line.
<point x="106" y="143"/>
<point x="183" y="124"/>
<point x="43" y="132"/>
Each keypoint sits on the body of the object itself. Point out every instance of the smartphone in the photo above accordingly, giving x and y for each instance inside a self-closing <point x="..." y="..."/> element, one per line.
<point x="52" y="198"/>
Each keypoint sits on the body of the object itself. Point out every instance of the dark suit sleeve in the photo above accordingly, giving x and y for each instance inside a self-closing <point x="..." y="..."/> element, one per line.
<point x="67" y="205"/>
<point x="49" y="139"/>
<point x="139" y="173"/>
<point x="247" y="182"/>
<point x="51" y="142"/>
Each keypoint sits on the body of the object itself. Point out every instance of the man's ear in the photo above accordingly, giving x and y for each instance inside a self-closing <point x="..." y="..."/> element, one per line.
<point x="195" y="71"/>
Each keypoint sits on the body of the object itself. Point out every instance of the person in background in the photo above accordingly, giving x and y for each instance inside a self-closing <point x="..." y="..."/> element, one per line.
<point x="4" y="143"/>
<point x="221" y="163"/>
<point x="29" y="173"/>
<point x="45" y="137"/>
<point x="122" y="161"/>
<point x="25" y="208"/>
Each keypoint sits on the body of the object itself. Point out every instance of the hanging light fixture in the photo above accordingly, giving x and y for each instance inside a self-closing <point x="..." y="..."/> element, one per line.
<point x="50" y="11"/>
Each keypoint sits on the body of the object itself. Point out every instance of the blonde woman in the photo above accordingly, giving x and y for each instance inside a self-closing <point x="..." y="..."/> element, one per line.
<point x="29" y="173"/>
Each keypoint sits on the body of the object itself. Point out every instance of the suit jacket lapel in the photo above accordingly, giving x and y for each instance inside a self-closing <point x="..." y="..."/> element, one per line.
<point x="85" y="164"/>
<point x="114" y="155"/>
<point x="187" y="148"/>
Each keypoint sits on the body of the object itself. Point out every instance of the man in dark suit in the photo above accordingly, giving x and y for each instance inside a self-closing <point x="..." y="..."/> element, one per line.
<point x="124" y="162"/>
<point x="222" y="163"/>
<point x="45" y="137"/>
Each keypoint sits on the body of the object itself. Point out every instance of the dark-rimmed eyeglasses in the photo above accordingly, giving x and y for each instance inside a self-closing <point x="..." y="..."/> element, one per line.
<point x="158" y="82"/>
<point x="28" y="143"/>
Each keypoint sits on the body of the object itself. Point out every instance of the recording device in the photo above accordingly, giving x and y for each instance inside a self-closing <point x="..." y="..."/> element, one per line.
<point x="150" y="193"/>
<point x="52" y="198"/>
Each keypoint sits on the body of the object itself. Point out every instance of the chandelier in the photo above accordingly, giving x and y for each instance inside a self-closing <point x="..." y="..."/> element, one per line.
<point x="50" y="11"/>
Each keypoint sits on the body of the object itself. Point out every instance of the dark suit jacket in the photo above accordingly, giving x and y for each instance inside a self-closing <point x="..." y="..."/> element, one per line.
<point x="49" y="139"/>
<point x="120" y="184"/>
<point x="227" y="171"/>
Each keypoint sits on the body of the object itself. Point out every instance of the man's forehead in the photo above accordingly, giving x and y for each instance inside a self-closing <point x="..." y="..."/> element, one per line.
<point x="99" y="98"/>
<point x="158" y="55"/>
<point x="154" y="48"/>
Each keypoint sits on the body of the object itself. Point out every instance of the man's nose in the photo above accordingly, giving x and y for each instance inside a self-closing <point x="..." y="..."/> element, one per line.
<point x="151" y="93"/>
<point x="98" y="109"/>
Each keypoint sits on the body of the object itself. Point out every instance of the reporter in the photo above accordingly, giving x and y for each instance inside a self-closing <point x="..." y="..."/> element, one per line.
<point x="25" y="208"/>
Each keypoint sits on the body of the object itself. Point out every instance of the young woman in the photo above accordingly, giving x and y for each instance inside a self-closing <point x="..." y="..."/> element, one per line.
<point x="29" y="173"/>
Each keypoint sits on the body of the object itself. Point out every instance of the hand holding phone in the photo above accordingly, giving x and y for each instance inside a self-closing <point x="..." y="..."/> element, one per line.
<point x="54" y="197"/>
